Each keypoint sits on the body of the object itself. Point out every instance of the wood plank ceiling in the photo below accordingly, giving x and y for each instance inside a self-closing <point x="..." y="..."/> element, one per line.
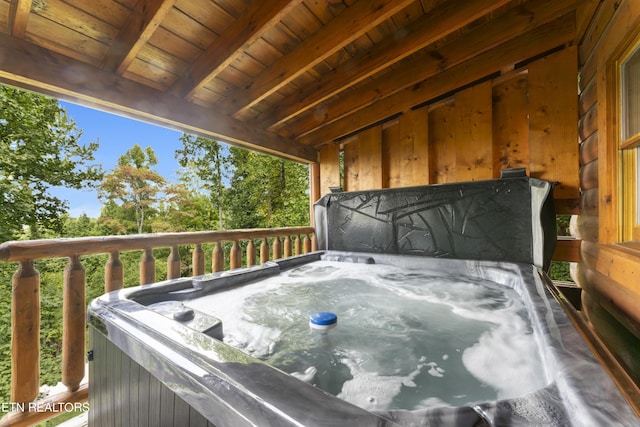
<point x="280" y="76"/>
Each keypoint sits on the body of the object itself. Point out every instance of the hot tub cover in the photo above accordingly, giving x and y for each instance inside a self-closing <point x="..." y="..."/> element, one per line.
<point x="507" y="219"/>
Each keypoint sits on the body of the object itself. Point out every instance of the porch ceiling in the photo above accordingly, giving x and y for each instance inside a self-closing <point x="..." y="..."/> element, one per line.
<point x="280" y="76"/>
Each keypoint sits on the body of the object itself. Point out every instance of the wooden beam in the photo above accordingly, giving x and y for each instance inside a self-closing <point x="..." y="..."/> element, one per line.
<point x="349" y="25"/>
<point x="261" y="17"/>
<point x="436" y="24"/>
<point x="430" y="62"/>
<point x="32" y="67"/>
<point x="532" y="43"/>
<point x="19" y="17"/>
<point x="143" y="21"/>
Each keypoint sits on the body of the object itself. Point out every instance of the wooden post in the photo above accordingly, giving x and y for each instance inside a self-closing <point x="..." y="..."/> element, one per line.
<point x="217" y="261"/>
<point x="147" y="267"/>
<point x="307" y="244"/>
<point x="251" y="253"/>
<point x="173" y="263"/>
<point x="298" y="244"/>
<point x="314" y="242"/>
<point x="264" y="251"/>
<point x="73" y="323"/>
<point x="235" y="256"/>
<point x="113" y="273"/>
<point x="287" y="246"/>
<point x="25" y="333"/>
<point x="277" y="248"/>
<point x="197" y="258"/>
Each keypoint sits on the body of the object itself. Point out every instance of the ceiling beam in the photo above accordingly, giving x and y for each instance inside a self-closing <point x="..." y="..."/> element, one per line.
<point x="436" y="24"/>
<point x="261" y="17"/>
<point x="145" y="17"/>
<point x="32" y="67"/>
<point x="433" y="60"/>
<point x="19" y="11"/>
<point x="352" y="23"/>
<point x="530" y="44"/>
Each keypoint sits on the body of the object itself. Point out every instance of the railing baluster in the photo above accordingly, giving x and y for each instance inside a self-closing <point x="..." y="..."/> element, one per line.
<point x="73" y="328"/>
<point x="307" y="244"/>
<point x="264" y="251"/>
<point x="251" y="253"/>
<point x="147" y="267"/>
<point x="287" y="246"/>
<point x="113" y="273"/>
<point x="217" y="261"/>
<point x="235" y="256"/>
<point x="297" y="244"/>
<point x="25" y="333"/>
<point x="197" y="258"/>
<point x="277" y="248"/>
<point x="314" y="242"/>
<point x="173" y="263"/>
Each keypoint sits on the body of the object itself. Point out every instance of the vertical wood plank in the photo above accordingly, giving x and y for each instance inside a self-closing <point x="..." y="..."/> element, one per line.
<point x="442" y="137"/>
<point x="73" y="323"/>
<point x="511" y="124"/>
<point x="553" y="134"/>
<point x="414" y="148"/>
<point x="113" y="273"/>
<point x="474" y="154"/>
<point x="363" y="161"/>
<point x="144" y="380"/>
<point x="391" y="173"/>
<point x="329" y="156"/>
<point x="25" y="333"/>
<point x="315" y="192"/>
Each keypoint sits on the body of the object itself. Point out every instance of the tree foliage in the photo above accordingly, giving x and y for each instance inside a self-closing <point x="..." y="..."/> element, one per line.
<point x="39" y="149"/>
<point x="134" y="184"/>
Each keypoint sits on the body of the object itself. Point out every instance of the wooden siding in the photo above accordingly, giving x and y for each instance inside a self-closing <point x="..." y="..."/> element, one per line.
<point x="525" y="118"/>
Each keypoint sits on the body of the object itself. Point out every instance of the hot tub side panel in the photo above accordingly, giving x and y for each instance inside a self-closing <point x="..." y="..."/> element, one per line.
<point x="124" y="393"/>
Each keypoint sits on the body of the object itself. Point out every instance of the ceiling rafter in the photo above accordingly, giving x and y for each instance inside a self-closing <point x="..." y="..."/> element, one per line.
<point x="344" y="29"/>
<point x="429" y="63"/>
<point x="19" y="17"/>
<point x="76" y="81"/>
<point x="436" y="24"/>
<point x="252" y="24"/>
<point x="538" y="40"/>
<point x="143" y="21"/>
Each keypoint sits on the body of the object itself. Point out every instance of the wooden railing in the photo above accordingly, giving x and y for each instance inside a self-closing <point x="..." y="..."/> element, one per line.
<point x="25" y="300"/>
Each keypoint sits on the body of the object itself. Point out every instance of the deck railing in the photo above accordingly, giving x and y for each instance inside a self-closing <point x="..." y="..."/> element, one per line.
<point x="25" y="300"/>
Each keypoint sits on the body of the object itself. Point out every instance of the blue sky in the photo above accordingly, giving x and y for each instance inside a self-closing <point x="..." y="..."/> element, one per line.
<point x="116" y="135"/>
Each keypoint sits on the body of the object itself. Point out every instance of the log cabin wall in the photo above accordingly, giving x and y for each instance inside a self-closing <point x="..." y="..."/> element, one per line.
<point x="520" y="118"/>
<point x="609" y="268"/>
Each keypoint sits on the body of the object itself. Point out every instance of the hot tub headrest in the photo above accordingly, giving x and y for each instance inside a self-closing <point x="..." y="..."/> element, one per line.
<point x="507" y="219"/>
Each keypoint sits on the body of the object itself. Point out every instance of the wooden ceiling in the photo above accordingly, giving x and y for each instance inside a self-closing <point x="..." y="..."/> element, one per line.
<point x="280" y="76"/>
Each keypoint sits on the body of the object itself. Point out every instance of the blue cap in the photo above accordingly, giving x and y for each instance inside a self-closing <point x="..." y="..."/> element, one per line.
<point x="323" y="319"/>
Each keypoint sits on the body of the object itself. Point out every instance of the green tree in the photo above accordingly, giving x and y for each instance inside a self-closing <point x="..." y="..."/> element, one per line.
<point x="39" y="149"/>
<point x="266" y="191"/>
<point x="204" y="170"/>
<point x="134" y="184"/>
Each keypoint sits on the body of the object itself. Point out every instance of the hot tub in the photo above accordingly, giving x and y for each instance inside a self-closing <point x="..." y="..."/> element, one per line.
<point x="423" y="335"/>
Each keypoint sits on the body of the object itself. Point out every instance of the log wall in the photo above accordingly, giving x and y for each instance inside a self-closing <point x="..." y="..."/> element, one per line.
<point x="609" y="268"/>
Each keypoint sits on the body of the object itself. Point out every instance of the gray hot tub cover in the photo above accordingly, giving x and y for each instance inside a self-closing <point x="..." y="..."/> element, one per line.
<point x="506" y="219"/>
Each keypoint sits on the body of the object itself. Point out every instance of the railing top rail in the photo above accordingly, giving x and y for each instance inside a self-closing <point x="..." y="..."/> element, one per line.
<point x="22" y="250"/>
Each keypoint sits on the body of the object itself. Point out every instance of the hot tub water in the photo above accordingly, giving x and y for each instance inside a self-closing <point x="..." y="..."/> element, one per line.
<point x="406" y="338"/>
